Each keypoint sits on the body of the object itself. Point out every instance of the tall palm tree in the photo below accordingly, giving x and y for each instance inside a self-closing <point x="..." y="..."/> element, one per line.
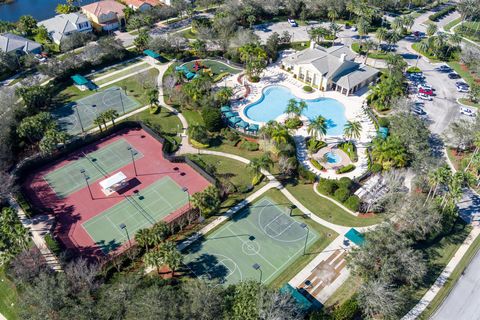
<point x="334" y="29"/>
<point x="256" y="165"/>
<point x="362" y="26"/>
<point x="295" y="107"/>
<point x="367" y="47"/>
<point x="171" y="256"/>
<point x="332" y="14"/>
<point x="279" y="134"/>
<point x="476" y="143"/>
<point x="317" y="127"/>
<point x="142" y="237"/>
<point x="98" y="121"/>
<point x="381" y="34"/>
<point x="393" y="38"/>
<point x="352" y="129"/>
<point x="154" y="258"/>
<point x="111" y="114"/>
<point x="409" y="21"/>
<point x="431" y="29"/>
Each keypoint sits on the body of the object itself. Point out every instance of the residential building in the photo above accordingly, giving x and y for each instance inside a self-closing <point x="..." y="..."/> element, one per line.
<point x="63" y="25"/>
<point x="330" y="69"/>
<point x="11" y="43"/>
<point x="141" y="5"/>
<point x="105" y="15"/>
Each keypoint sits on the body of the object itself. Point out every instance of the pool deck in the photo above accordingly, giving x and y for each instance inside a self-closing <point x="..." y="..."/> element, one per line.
<point x="276" y="76"/>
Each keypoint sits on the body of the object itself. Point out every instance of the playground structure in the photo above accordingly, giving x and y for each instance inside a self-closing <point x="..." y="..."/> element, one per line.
<point x="198" y="68"/>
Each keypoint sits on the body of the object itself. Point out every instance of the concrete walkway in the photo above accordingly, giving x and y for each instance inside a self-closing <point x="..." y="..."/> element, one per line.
<point x="315" y="189"/>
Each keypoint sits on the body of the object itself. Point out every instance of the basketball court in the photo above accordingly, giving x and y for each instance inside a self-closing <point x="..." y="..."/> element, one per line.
<point x="261" y="241"/>
<point x="96" y="165"/>
<point x="138" y="211"/>
<point x="81" y="113"/>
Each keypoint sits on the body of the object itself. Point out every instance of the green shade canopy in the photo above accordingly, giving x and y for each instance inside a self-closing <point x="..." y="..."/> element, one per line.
<point x="355" y="236"/>
<point x="234" y="120"/>
<point x="242" y="124"/>
<point x="80" y="80"/>
<point x="152" y="54"/>
<point x="229" y="114"/>
<point x="383" y="132"/>
<point x="225" y="109"/>
<point x="299" y="298"/>
<point x="253" y="127"/>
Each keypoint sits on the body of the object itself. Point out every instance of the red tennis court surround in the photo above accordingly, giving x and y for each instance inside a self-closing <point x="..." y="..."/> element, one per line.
<point x="76" y="208"/>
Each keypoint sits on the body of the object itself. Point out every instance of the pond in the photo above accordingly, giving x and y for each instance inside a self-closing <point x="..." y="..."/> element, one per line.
<point x="39" y="9"/>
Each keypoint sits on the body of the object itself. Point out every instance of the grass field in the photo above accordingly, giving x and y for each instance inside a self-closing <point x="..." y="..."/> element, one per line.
<point x="466" y="75"/>
<point x="469" y="103"/>
<point x="451" y="24"/>
<point x="169" y="124"/>
<point x="143" y="210"/>
<point x="327" y="210"/>
<point x="8" y="297"/>
<point x="216" y="66"/>
<point x="122" y="74"/>
<point x="262" y="233"/>
<point x="116" y="68"/>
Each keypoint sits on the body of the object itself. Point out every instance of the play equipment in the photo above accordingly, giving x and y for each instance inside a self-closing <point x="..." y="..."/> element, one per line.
<point x="187" y="73"/>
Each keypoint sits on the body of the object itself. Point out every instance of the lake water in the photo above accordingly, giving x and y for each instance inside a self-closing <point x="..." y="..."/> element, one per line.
<point x="39" y="9"/>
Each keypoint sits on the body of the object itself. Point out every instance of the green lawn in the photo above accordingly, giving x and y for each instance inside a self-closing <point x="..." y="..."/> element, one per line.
<point x="168" y="123"/>
<point x="457" y="272"/>
<point x="430" y="57"/>
<point x="193" y="117"/>
<point x="451" y="24"/>
<point x="116" y="67"/>
<point x="8" y="297"/>
<point x="344" y="292"/>
<point x="189" y="34"/>
<point x="326" y="209"/>
<point x="469" y="103"/>
<point x="217" y="67"/>
<point x="120" y="74"/>
<point x="236" y="150"/>
<point x="373" y="54"/>
<point x="463" y="72"/>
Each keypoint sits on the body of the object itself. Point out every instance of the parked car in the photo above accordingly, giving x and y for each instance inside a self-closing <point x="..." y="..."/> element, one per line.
<point x="467" y="111"/>
<point x="354" y="28"/>
<point x="425" y="91"/>
<point x="463" y="89"/>
<point x="425" y="86"/>
<point x="454" y="75"/>
<point x="418" y="111"/>
<point x="462" y="83"/>
<point x="424" y="96"/>
<point x="293" y="23"/>
<point x="443" y="68"/>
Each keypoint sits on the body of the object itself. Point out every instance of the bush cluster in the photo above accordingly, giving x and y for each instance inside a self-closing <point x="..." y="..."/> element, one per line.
<point x="316" y="164"/>
<point x="340" y="190"/>
<point x="314" y="145"/>
<point x="249" y="145"/>
<point x="307" y="89"/>
<point x="440" y="14"/>
<point x="293" y="123"/>
<point x="345" y="169"/>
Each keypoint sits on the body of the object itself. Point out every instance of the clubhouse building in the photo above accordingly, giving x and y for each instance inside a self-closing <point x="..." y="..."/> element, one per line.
<point x="330" y="69"/>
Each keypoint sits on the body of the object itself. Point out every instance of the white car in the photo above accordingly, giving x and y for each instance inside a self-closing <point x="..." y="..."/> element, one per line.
<point x="467" y="111"/>
<point x="424" y="96"/>
<point x="462" y="89"/>
<point x="425" y="86"/>
<point x="293" y="23"/>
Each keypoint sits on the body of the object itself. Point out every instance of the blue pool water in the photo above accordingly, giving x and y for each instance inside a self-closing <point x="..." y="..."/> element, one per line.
<point x="332" y="157"/>
<point x="274" y="101"/>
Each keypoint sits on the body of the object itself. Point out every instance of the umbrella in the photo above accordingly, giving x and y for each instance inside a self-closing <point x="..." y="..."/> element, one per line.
<point x="228" y="114"/>
<point x="234" y="120"/>
<point x="225" y="109"/>
<point x="242" y="124"/>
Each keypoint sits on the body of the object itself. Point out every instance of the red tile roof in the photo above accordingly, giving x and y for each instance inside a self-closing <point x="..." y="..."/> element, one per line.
<point x="104" y="7"/>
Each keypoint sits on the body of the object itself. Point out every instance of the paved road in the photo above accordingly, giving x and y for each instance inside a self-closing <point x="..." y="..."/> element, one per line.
<point x="463" y="301"/>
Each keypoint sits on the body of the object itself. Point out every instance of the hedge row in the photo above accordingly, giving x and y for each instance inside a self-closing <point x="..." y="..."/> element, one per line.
<point x="440" y="14"/>
<point x="340" y="190"/>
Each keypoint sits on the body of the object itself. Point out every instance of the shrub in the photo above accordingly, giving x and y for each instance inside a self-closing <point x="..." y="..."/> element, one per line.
<point x="314" y="145"/>
<point x="383" y="122"/>
<point x="306" y="175"/>
<point x="414" y="69"/>
<point x="198" y="145"/>
<point x="350" y="149"/>
<point x="316" y="164"/>
<point x="345" y="182"/>
<point x="212" y="118"/>
<point x="341" y="194"/>
<point x="441" y="13"/>
<point x="220" y="76"/>
<point x="327" y="186"/>
<point x="52" y="244"/>
<point x="154" y="109"/>
<point x="347" y="310"/>
<point x="376" y="167"/>
<point x="352" y="203"/>
<point x="307" y="89"/>
<point x="232" y="137"/>
<point x="346" y="169"/>
<point x="244" y="188"/>
<point x="293" y="123"/>
<point x="249" y="145"/>
<point x="24" y="204"/>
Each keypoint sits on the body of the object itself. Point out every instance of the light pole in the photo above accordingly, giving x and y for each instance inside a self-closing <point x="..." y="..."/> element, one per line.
<point x="133" y="153"/>
<point x="292" y="207"/>
<point x="121" y="99"/>
<point x="82" y="171"/>
<point x="304" y="226"/>
<point x="124" y="227"/>
<point x="75" y="106"/>
<point x="256" y="266"/>
<point x="185" y="189"/>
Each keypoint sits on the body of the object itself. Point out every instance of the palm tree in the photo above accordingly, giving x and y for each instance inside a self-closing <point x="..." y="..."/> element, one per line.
<point x="317" y="127"/>
<point x="142" y="237"/>
<point x="381" y="34"/>
<point x="152" y="96"/>
<point x="171" y="256"/>
<point x="431" y="29"/>
<point x="409" y="21"/>
<point x="352" y="129"/>
<point x="334" y="29"/>
<point x="397" y="23"/>
<point x="367" y="47"/>
<point x="111" y="114"/>
<point x="393" y="38"/>
<point x="362" y="26"/>
<point x="256" y="165"/>
<point x="332" y="14"/>
<point x="98" y="121"/>
<point x="280" y="134"/>
<point x="424" y="46"/>
<point x="476" y="143"/>
<point x="154" y="258"/>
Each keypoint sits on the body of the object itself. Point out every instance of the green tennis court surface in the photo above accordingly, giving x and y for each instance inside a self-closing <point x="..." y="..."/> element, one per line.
<point x="143" y="210"/>
<point x="97" y="165"/>
<point x="89" y="107"/>
<point x="263" y="233"/>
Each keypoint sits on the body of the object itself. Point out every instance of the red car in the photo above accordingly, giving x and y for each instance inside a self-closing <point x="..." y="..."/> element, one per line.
<point x="427" y="92"/>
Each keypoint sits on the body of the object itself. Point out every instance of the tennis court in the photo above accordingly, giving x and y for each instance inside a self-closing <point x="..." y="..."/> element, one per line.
<point x="81" y="113"/>
<point x="97" y="164"/>
<point x="262" y="234"/>
<point x="138" y="211"/>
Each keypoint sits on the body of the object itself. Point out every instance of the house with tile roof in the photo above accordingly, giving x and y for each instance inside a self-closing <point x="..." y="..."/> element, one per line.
<point x="105" y="15"/>
<point x="11" y="43"/>
<point x="330" y="69"/>
<point x="141" y="5"/>
<point x="63" y="25"/>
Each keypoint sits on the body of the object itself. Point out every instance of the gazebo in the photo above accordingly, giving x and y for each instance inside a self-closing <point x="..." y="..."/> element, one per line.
<point x="82" y="83"/>
<point x="242" y="125"/>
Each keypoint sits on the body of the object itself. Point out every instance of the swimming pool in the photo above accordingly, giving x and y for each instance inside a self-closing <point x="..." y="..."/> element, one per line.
<point x="274" y="101"/>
